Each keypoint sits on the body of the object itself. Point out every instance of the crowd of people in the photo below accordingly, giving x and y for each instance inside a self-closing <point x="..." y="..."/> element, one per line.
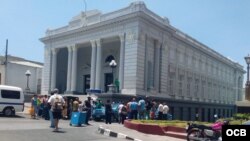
<point x="143" y="109"/>
<point x="55" y="107"/>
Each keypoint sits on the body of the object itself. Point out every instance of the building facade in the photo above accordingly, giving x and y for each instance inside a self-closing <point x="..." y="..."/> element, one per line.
<point x="14" y="73"/>
<point x="153" y="59"/>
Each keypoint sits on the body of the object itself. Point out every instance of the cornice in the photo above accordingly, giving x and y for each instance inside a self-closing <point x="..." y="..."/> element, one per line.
<point x="91" y="28"/>
<point x="136" y="11"/>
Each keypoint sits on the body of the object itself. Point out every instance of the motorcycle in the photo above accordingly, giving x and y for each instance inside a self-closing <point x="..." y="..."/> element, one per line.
<point x="197" y="132"/>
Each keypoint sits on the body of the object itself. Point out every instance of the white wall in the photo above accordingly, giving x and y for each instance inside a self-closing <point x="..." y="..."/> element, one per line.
<point x="16" y="76"/>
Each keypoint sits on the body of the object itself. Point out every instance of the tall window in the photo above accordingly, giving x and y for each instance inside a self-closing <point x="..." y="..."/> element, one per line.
<point x="203" y="89"/>
<point x="180" y="87"/>
<point x="214" y="95"/>
<point x="209" y="90"/>
<point x="150" y="75"/>
<point x="189" y="81"/>
<point x="171" y="83"/>
<point x="196" y="87"/>
<point x="223" y="94"/>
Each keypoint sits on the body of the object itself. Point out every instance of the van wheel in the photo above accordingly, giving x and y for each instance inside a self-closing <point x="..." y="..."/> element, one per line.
<point x="9" y="112"/>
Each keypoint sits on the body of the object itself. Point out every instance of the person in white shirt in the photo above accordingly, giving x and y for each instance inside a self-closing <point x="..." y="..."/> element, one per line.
<point x="160" y="111"/>
<point x="120" y="111"/>
<point x="56" y="101"/>
<point x="165" y="111"/>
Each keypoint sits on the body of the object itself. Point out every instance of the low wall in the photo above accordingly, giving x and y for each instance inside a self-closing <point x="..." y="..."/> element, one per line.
<point x="172" y="131"/>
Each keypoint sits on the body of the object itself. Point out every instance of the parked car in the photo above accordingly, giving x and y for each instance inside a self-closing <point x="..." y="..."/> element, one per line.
<point x="99" y="113"/>
<point x="11" y="99"/>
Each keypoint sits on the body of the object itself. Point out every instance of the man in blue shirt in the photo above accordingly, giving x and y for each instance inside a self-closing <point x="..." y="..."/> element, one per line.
<point x="134" y="108"/>
<point x="141" y="108"/>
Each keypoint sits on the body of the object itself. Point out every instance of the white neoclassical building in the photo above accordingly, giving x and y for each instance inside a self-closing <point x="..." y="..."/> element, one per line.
<point x="153" y="59"/>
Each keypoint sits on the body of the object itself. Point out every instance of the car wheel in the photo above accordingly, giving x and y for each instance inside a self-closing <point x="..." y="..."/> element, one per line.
<point x="9" y="112"/>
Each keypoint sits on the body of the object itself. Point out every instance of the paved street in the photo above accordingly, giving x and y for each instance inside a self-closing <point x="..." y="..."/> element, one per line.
<point x="22" y="128"/>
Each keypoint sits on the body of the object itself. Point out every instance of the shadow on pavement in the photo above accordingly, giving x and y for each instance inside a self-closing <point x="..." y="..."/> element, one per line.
<point x="16" y="116"/>
<point x="59" y="131"/>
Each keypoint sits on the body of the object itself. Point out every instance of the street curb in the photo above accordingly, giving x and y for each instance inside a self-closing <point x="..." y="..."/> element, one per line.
<point x="110" y="133"/>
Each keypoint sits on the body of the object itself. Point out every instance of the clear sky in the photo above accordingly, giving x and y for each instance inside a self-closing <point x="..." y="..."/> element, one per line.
<point x="223" y="25"/>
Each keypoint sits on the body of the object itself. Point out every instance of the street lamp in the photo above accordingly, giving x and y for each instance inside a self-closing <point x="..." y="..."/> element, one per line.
<point x="28" y="73"/>
<point x="247" y="91"/>
<point x="112" y="88"/>
<point x="113" y="64"/>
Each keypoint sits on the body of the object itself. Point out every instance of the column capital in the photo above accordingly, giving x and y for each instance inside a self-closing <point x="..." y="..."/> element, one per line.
<point x="54" y="50"/>
<point x="121" y="36"/>
<point x="69" y="48"/>
<point x="74" y="48"/>
<point x="92" y="43"/>
<point x="98" y="42"/>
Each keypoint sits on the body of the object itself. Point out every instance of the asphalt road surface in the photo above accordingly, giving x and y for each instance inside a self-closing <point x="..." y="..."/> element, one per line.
<point x="22" y="128"/>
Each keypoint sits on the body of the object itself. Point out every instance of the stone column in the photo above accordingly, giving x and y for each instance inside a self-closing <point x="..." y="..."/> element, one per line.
<point x="74" y="68"/>
<point x="46" y="81"/>
<point x="69" y="69"/>
<point x="157" y="66"/>
<point x="54" y="64"/>
<point x="93" y="64"/>
<point x="121" y="67"/>
<point x="98" y="64"/>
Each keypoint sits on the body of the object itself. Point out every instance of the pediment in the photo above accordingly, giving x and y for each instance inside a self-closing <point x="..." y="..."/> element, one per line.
<point x="85" y="18"/>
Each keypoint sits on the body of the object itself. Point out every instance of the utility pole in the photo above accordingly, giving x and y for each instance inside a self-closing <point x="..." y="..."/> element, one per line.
<point x="6" y="61"/>
<point x="6" y="53"/>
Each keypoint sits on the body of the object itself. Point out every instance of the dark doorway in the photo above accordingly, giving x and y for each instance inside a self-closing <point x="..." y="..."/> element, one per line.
<point x="202" y="114"/>
<point x="189" y="114"/>
<point x="86" y="80"/>
<point x="181" y="113"/>
<point x="108" y="80"/>
<point x="209" y="115"/>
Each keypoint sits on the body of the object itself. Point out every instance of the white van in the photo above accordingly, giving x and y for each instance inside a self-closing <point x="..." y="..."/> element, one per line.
<point x="11" y="100"/>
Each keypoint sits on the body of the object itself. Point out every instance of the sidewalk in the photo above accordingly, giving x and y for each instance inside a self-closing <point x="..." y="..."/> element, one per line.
<point x="119" y="131"/>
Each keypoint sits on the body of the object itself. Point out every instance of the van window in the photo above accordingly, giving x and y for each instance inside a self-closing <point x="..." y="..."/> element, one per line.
<point x="10" y="94"/>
